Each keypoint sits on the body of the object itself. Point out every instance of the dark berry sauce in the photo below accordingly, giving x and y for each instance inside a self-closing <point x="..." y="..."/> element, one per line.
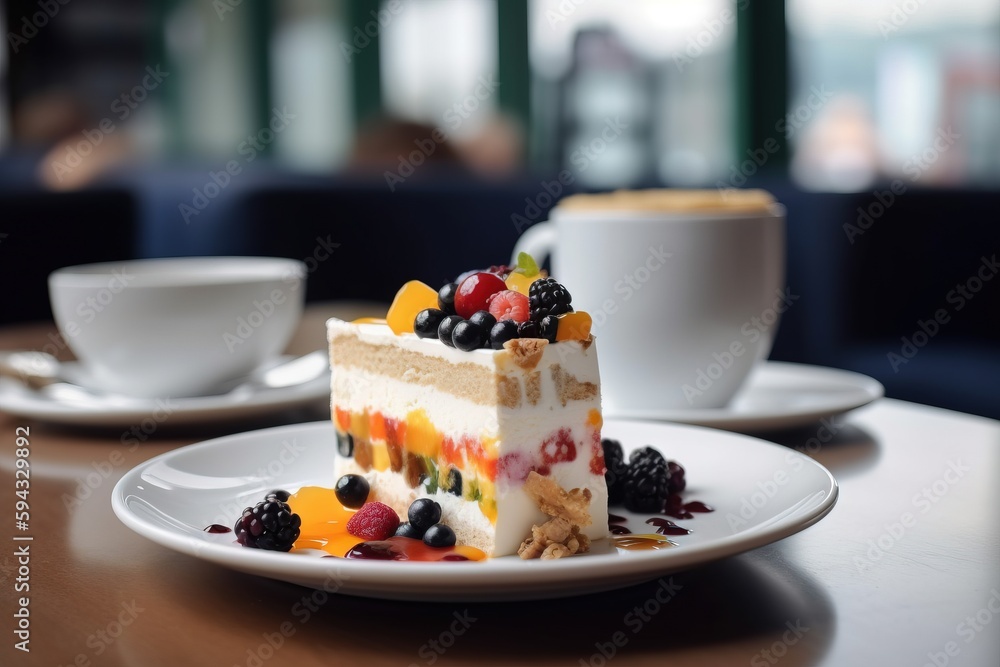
<point x="675" y="507"/>
<point x="217" y="528"/>
<point x="402" y="548"/>
<point x="667" y="527"/>
<point x="619" y="530"/>
<point x="614" y="518"/>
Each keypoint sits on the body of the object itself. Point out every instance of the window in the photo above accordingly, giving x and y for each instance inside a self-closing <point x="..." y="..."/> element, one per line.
<point x="900" y="89"/>
<point x="439" y="56"/>
<point x="635" y="92"/>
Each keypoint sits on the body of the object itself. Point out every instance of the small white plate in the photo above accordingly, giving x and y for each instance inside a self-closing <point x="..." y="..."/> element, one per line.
<point x="778" y="395"/>
<point x="761" y="493"/>
<point x="124" y="411"/>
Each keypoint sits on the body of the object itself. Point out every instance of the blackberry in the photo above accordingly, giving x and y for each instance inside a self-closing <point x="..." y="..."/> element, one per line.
<point x="278" y="494"/>
<point x="529" y="329"/>
<point x="268" y="525"/>
<point x="645" y="453"/>
<point x="548" y="327"/>
<point x="548" y="297"/>
<point x="614" y="476"/>
<point x="646" y="481"/>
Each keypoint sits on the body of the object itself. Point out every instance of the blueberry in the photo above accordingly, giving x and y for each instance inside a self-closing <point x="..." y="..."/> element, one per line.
<point x="352" y="490"/>
<point x="423" y="514"/>
<point x="446" y="298"/>
<point x="446" y="327"/>
<point x="439" y="535"/>
<point x="528" y="329"/>
<point x="454" y="482"/>
<point x="467" y="336"/>
<point x="409" y="530"/>
<point x="483" y="319"/>
<point x="425" y="324"/>
<point x="345" y="444"/>
<point x="548" y="327"/>
<point x="502" y="332"/>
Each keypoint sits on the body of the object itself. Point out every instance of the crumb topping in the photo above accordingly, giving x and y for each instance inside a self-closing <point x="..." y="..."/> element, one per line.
<point x="559" y="536"/>
<point x="555" y="538"/>
<point x="526" y="352"/>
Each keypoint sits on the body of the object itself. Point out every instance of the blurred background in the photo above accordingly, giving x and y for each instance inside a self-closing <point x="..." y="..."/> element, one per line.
<point x="385" y="140"/>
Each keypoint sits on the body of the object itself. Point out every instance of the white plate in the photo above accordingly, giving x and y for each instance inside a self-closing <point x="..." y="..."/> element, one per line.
<point x="762" y="493"/>
<point x="125" y="411"/>
<point x="779" y="395"/>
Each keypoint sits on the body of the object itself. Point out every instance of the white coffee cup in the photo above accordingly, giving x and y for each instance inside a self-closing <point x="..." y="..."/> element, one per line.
<point x="684" y="288"/>
<point x="176" y="327"/>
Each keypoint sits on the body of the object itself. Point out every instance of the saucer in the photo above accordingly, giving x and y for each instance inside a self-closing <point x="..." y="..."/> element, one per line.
<point x="113" y="411"/>
<point x="776" y="396"/>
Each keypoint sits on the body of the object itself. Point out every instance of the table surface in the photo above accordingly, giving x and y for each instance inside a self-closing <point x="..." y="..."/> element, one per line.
<point x="904" y="571"/>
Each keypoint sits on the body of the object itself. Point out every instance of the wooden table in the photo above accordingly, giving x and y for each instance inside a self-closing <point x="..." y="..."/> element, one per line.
<point x="904" y="571"/>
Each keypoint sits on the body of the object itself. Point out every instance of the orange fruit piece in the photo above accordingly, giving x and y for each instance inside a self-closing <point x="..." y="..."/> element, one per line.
<point x="574" y="326"/>
<point x="411" y="298"/>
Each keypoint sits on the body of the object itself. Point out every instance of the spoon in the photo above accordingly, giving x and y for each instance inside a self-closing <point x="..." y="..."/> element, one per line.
<point x="40" y="370"/>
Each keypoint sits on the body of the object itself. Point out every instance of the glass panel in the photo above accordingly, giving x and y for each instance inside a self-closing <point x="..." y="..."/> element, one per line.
<point x="213" y="82"/>
<point x="439" y="59"/>
<point x="884" y="88"/>
<point x="632" y="92"/>
<point x="311" y="77"/>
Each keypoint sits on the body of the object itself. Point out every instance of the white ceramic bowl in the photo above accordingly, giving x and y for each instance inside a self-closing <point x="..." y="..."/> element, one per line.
<point x="180" y="326"/>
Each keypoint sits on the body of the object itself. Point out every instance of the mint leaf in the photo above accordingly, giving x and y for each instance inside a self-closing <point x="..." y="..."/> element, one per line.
<point x="526" y="264"/>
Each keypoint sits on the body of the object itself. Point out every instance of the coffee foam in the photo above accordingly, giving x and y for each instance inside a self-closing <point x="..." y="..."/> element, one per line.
<point x="673" y="201"/>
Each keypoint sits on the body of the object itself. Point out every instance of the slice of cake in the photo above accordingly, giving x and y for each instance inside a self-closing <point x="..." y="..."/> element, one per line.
<point x="515" y="390"/>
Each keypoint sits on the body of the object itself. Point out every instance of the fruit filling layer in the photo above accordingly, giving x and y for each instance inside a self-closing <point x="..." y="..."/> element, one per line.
<point x="468" y="466"/>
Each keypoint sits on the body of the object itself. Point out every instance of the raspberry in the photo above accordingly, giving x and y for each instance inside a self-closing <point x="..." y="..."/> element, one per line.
<point x="558" y="448"/>
<point x="509" y="305"/>
<point x="548" y="297"/>
<point x="374" y="521"/>
<point x="514" y="467"/>
<point x="269" y="525"/>
<point x="597" y="466"/>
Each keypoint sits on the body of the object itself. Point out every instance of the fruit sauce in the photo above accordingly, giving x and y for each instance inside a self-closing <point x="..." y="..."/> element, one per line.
<point x="324" y="528"/>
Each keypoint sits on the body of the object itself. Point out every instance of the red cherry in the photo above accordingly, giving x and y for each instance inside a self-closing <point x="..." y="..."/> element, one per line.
<point x="474" y="291"/>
